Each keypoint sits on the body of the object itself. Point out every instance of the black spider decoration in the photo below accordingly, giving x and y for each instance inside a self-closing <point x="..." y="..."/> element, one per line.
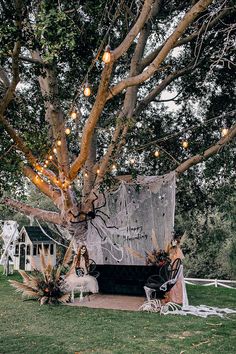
<point x="91" y="214"/>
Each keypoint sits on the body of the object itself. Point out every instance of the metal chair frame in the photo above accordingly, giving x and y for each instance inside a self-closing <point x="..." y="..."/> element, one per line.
<point x="164" y="281"/>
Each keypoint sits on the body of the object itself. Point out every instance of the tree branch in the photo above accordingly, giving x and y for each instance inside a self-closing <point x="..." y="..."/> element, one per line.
<point x="124" y="46"/>
<point x="32" y="61"/>
<point x="18" y="141"/>
<point x="158" y="89"/>
<point x="15" y="66"/>
<point x="43" y="186"/>
<point x="169" y="44"/>
<point x="4" y="78"/>
<point x="206" y="26"/>
<point x="130" y="96"/>
<point x="26" y="151"/>
<point x="7" y="151"/>
<point x="194" y="160"/>
<point x="92" y="121"/>
<point x="45" y="215"/>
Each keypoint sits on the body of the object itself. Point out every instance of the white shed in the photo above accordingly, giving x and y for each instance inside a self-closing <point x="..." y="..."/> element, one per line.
<point x="27" y="248"/>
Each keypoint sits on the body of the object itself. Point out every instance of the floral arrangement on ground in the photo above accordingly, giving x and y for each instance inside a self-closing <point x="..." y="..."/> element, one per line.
<point x="47" y="285"/>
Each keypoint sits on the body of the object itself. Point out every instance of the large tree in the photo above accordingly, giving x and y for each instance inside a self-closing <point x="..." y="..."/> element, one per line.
<point x="51" y="50"/>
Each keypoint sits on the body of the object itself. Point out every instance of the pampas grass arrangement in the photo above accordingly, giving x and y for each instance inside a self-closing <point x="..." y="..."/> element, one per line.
<point x="47" y="285"/>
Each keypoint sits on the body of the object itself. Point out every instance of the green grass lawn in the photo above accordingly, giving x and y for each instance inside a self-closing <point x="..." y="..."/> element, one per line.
<point x="26" y="327"/>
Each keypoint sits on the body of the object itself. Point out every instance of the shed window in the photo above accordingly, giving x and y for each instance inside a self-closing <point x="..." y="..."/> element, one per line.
<point x="39" y="248"/>
<point x="28" y="250"/>
<point x="46" y="249"/>
<point x="17" y="250"/>
<point x="51" y="248"/>
<point x="34" y="250"/>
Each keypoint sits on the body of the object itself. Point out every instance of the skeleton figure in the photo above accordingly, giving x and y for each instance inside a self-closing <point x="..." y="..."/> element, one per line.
<point x="176" y="293"/>
<point x="79" y="276"/>
<point x="9" y="235"/>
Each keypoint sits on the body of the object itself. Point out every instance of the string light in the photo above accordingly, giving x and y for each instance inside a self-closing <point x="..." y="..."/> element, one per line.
<point x="87" y="90"/>
<point x="67" y="131"/>
<point x="224" y="132"/>
<point x="58" y="142"/>
<point x="113" y="167"/>
<point x="98" y="171"/>
<point x="46" y="162"/>
<point x="157" y="153"/>
<point x="73" y="114"/>
<point x="86" y="174"/>
<point x="185" y="144"/>
<point x="55" y="150"/>
<point x="50" y="157"/>
<point x="106" y="58"/>
<point x="132" y="161"/>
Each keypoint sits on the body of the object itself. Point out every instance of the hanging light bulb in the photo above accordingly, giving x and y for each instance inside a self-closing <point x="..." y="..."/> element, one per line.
<point x="55" y="150"/>
<point x="157" y="153"/>
<point x="67" y="131"/>
<point x="46" y="162"/>
<point x="113" y="167"/>
<point x="73" y="114"/>
<point x="98" y="171"/>
<point x="224" y="132"/>
<point x="87" y="90"/>
<point x="86" y="174"/>
<point x="50" y="157"/>
<point x="132" y="161"/>
<point x="185" y="144"/>
<point x="106" y="58"/>
<point x="58" y="142"/>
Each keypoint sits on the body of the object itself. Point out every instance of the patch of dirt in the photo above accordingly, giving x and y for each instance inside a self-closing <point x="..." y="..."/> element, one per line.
<point x="114" y="302"/>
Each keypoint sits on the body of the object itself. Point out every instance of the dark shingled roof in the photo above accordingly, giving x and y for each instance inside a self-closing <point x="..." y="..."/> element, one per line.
<point x="36" y="235"/>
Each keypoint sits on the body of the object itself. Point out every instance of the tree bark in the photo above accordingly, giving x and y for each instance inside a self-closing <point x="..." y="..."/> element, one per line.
<point x="194" y="160"/>
<point x="130" y="99"/>
<point x="45" y="215"/>
<point x="169" y="44"/>
<point x="92" y="121"/>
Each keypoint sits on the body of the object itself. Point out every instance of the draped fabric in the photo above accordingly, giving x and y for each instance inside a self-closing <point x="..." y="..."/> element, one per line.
<point x="132" y="214"/>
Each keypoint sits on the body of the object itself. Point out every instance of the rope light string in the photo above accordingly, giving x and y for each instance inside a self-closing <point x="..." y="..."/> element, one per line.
<point x="192" y="128"/>
<point x="94" y="61"/>
<point x="184" y="143"/>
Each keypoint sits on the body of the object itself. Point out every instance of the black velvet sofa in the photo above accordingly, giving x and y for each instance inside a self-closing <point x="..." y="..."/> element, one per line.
<point x="124" y="279"/>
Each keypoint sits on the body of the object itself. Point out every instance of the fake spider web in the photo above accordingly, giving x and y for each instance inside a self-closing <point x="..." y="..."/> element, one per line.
<point x="136" y="211"/>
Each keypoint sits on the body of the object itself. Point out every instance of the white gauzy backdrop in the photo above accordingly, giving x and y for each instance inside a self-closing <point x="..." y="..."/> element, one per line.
<point x="135" y="211"/>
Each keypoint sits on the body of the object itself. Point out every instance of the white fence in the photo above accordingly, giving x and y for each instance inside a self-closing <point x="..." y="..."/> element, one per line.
<point x="231" y="284"/>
